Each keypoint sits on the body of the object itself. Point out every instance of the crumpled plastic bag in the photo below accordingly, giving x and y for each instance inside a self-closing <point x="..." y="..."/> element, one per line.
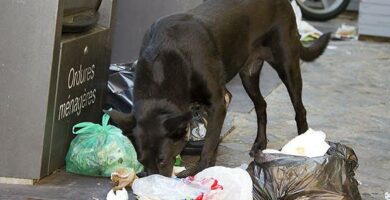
<point x="198" y="124"/>
<point x="216" y="183"/>
<point x="98" y="150"/>
<point x="311" y="144"/>
<point x="120" y="86"/>
<point x="281" y="176"/>
<point x="236" y="182"/>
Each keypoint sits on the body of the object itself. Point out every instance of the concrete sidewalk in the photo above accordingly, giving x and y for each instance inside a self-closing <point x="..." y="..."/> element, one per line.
<point x="347" y="95"/>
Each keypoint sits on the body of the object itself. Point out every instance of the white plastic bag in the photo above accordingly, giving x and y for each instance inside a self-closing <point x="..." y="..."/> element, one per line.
<point x="215" y="183"/>
<point x="297" y="12"/>
<point x="311" y="144"/>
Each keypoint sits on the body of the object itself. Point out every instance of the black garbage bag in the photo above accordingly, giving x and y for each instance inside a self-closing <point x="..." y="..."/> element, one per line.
<point x="287" y="177"/>
<point x="120" y="87"/>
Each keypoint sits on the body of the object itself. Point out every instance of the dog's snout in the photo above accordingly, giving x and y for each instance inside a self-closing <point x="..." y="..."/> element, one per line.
<point x="150" y="171"/>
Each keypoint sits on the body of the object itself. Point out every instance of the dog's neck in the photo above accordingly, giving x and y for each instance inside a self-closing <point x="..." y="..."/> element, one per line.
<point x="145" y="107"/>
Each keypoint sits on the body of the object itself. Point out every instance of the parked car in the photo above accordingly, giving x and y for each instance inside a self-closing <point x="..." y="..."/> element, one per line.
<point x="322" y="10"/>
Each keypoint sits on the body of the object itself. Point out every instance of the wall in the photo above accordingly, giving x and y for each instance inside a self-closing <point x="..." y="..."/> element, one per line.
<point x="353" y="5"/>
<point x="134" y="17"/>
<point x="374" y="18"/>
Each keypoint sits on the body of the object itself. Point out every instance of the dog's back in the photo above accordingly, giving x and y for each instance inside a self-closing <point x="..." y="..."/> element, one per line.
<point x="239" y="25"/>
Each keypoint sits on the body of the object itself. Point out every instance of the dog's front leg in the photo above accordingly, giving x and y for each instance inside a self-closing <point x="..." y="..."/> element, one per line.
<point x="216" y="117"/>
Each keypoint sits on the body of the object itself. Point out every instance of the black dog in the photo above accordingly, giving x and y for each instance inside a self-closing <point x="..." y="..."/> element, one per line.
<point x="187" y="58"/>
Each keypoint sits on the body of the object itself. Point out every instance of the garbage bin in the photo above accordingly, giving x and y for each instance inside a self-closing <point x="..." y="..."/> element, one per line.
<point x="49" y="80"/>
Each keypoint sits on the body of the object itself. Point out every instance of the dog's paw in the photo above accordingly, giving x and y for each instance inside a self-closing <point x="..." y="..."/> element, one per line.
<point x="256" y="148"/>
<point x="192" y="171"/>
<point x="253" y="152"/>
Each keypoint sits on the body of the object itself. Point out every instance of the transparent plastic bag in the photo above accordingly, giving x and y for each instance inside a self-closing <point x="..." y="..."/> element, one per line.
<point x="236" y="182"/>
<point x="164" y="188"/>
<point x="215" y="183"/>
<point x="98" y="150"/>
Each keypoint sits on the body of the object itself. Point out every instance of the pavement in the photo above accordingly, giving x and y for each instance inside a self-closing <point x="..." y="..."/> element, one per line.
<point x="346" y="93"/>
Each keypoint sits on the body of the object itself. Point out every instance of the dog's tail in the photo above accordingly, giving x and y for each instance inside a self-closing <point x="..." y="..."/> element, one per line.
<point x="316" y="49"/>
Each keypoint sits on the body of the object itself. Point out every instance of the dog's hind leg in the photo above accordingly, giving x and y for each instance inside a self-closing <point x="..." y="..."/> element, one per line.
<point x="286" y="63"/>
<point x="293" y="83"/>
<point x="250" y="77"/>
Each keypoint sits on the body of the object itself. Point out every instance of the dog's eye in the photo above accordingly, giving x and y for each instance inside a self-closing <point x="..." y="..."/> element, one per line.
<point x="161" y="161"/>
<point x="179" y="134"/>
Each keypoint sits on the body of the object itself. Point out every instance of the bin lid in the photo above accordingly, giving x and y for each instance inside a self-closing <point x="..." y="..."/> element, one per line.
<point x="80" y="15"/>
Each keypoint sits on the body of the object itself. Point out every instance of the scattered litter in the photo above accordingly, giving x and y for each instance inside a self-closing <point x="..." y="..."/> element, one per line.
<point x="331" y="47"/>
<point x="99" y="150"/>
<point x="118" y="195"/>
<point x="122" y="178"/>
<point x="215" y="183"/>
<point x="178" y="160"/>
<point x="346" y="32"/>
<point x="308" y="32"/>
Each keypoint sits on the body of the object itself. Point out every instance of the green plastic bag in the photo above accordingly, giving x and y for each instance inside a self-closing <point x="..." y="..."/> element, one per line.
<point x="98" y="150"/>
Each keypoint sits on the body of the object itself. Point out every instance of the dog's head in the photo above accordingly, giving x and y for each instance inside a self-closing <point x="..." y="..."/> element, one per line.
<point x="158" y="136"/>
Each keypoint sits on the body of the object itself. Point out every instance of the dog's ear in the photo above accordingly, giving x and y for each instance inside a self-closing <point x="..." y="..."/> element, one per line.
<point x="124" y="121"/>
<point x="176" y="123"/>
